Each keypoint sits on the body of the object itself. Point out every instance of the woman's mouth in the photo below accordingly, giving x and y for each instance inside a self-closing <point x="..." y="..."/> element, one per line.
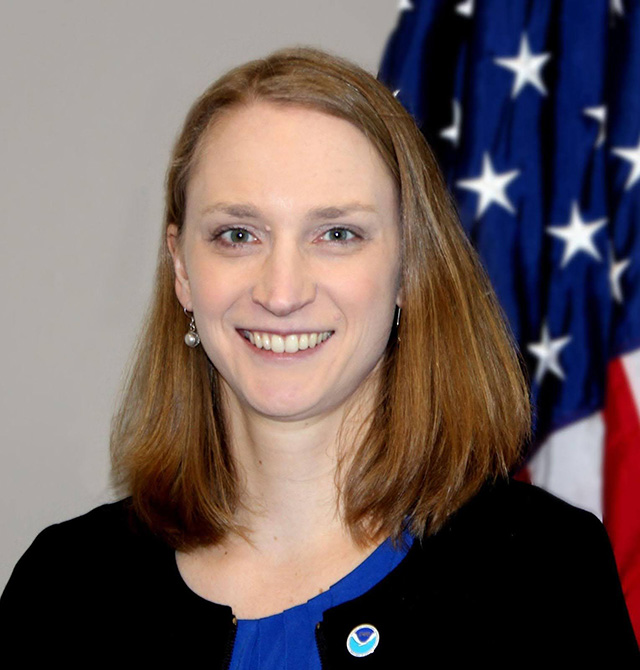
<point x="291" y="343"/>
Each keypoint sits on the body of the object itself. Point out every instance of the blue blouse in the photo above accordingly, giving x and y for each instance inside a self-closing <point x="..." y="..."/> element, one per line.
<point x="286" y="641"/>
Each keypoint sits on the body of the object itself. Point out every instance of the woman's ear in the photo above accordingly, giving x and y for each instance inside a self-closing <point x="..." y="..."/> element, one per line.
<point x="183" y="288"/>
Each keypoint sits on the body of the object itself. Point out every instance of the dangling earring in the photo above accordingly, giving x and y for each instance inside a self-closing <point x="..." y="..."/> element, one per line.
<point x="191" y="339"/>
<point x="398" y="312"/>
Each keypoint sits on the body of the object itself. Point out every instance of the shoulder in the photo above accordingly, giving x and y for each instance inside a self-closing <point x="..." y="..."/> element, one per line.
<point x="509" y="506"/>
<point x="103" y="581"/>
<point x="534" y="563"/>
<point x="104" y="532"/>
<point x="91" y="556"/>
<point x="519" y="528"/>
<point x="510" y="495"/>
<point x="110" y="518"/>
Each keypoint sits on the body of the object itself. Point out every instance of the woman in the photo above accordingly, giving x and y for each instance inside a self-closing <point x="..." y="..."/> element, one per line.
<point x="345" y="389"/>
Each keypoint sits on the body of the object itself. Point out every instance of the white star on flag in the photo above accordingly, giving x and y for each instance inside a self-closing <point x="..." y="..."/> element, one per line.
<point x="631" y="154"/>
<point x="405" y="5"/>
<point x="490" y="186"/>
<point x="600" y="115"/>
<point x="396" y="93"/>
<point x="547" y="352"/>
<point x="578" y="235"/>
<point x="616" y="7"/>
<point x="615" y="273"/>
<point x="465" y="8"/>
<point x="452" y="132"/>
<point x="526" y="66"/>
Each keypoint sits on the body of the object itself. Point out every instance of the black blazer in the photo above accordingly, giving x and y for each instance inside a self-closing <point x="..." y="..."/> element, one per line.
<point x="516" y="578"/>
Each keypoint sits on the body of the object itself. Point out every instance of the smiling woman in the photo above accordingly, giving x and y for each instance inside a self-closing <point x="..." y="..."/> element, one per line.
<point x="289" y="257"/>
<point x="322" y="473"/>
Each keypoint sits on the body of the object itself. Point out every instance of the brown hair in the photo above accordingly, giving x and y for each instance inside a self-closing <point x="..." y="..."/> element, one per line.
<point x="452" y="409"/>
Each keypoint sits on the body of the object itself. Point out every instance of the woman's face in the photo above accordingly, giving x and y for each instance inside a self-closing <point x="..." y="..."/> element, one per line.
<point x="289" y="258"/>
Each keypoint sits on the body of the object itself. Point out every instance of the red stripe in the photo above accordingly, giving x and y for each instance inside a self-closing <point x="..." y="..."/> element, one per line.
<point x="523" y="475"/>
<point x="622" y="483"/>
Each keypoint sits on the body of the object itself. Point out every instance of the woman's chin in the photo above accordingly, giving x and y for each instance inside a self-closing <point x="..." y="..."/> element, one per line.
<point x="272" y="401"/>
<point x="285" y="407"/>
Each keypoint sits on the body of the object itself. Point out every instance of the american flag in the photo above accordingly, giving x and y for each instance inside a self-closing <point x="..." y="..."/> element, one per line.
<point x="533" y="109"/>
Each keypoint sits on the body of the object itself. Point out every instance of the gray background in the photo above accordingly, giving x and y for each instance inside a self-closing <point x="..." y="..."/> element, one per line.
<point x="93" y="93"/>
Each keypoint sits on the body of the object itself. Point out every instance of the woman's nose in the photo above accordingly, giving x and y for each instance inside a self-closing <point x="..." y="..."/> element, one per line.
<point x="284" y="283"/>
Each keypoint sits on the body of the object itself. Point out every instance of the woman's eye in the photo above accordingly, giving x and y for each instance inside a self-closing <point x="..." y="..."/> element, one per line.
<point x="235" y="236"/>
<point x="338" y="235"/>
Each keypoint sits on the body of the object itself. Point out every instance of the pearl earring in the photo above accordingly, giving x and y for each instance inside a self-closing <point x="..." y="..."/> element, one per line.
<point x="191" y="339"/>
<point x="398" y="312"/>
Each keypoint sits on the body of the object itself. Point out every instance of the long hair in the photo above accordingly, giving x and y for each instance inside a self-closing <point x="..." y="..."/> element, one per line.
<point x="452" y="408"/>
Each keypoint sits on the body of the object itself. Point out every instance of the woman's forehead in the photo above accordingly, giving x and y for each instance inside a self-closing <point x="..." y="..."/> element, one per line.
<point x="285" y="149"/>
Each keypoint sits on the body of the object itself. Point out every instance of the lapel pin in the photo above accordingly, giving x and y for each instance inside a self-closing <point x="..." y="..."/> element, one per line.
<point x="363" y="640"/>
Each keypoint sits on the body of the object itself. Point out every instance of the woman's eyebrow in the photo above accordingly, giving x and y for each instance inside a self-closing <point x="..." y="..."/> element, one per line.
<point x="335" y="212"/>
<point x="239" y="211"/>
<point x="248" y="211"/>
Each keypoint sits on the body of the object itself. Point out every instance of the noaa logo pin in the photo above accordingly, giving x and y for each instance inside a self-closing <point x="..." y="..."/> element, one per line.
<point x="363" y="640"/>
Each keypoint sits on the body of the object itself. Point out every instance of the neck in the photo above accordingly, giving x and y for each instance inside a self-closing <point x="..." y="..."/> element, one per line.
<point x="295" y="544"/>
<point x="288" y="473"/>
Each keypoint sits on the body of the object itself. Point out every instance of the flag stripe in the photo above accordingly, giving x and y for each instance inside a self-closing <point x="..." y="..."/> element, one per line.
<point x="569" y="463"/>
<point x="622" y="479"/>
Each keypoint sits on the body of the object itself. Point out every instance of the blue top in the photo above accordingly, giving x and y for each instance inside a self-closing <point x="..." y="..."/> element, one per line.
<point x="286" y="641"/>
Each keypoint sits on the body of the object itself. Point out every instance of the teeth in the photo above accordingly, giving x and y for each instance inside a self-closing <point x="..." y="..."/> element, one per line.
<point x="290" y="344"/>
<point x="277" y="344"/>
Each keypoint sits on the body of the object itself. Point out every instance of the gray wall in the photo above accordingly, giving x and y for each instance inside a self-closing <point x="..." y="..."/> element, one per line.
<point x="93" y="93"/>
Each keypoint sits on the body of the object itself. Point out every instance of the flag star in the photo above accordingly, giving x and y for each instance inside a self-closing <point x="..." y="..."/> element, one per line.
<point x="547" y="352"/>
<point x="631" y="154"/>
<point x="600" y="115"/>
<point x="396" y="93"/>
<point x="466" y="8"/>
<point x="578" y="235"/>
<point x="615" y="273"/>
<point x="405" y="5"/>
<point x="452" y="133"/>
<point x="616" y="7"/>
<point x="490" y="186"/>
<point x="526" y="66"/>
